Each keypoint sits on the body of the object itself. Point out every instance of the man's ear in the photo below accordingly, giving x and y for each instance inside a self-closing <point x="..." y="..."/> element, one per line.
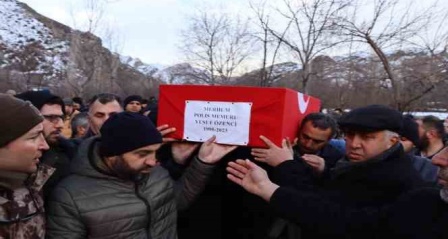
<point x="431" y="133"/>
<point x="109" y="159"/>
<point x="81" y="129"/>
<point x="394" y="140"/>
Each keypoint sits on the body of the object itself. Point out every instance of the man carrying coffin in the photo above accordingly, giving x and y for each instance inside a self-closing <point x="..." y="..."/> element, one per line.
<point x="119" y="190"/>
<point x="374" y="174"/>
<point x="311" y="145"/>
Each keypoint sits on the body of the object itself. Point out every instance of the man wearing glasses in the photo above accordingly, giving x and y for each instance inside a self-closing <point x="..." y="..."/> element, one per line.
<point x="21" y="176"/>
<point x="61" y="150"/>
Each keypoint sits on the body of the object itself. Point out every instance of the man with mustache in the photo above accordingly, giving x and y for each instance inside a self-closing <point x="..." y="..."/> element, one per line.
<point x="374" y="173"/>
<point x="61" y="150"/>
<point x="21" y="176"/>
<point x="118" y="188"/>
<point x="311" y="144"/>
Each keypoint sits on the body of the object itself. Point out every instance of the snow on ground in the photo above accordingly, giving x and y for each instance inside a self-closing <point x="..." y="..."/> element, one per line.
<point x="440" y="115"/>
<point x="18" y="28"/>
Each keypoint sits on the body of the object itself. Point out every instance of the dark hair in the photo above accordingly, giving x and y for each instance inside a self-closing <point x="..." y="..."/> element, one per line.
<point x="321" y="121"/>
<point x="80" y="119"/>
<point x="56" y="101"/>
<point x="78" y="100"/>
<point x="105" y="98"/>
<point x="432" y="122"/>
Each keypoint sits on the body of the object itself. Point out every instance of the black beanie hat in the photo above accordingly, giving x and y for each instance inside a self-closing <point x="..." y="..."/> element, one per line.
<point x="410" y="130"/>
<point x="372" y="118"/>
<point x="127" y="131"/>
<point x="40" y="98"/>
<point x="132" y="98"/>
<point x="17" y="117"/>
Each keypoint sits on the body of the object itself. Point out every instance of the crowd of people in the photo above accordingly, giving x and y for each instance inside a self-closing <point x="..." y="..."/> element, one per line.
<point x="104" y="169"/>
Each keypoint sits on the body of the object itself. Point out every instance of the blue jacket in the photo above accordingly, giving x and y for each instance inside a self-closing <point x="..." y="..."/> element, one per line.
<point x="425" y="168"/>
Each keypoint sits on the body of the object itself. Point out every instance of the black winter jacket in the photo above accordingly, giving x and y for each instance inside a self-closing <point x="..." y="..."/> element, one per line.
<point x="93" y="204"/>
<point x="339" y="205"/>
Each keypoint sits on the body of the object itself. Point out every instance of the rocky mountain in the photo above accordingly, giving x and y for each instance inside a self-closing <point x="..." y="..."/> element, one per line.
<point x="38" y="52"/>
<point x="278" y="75"/>
<point x="185" y="73"/>
<point x="182" y="73"/>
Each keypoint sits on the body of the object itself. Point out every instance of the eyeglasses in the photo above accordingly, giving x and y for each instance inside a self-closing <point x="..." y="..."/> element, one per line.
<point x="54" y="118"/>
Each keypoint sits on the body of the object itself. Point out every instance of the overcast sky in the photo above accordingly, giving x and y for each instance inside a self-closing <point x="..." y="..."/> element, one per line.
<point x="147" y="29"/>
<point x="150" y="29"/>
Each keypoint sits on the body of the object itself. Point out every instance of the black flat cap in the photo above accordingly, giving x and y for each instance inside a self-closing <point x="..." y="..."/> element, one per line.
<point x="372" y="118"/>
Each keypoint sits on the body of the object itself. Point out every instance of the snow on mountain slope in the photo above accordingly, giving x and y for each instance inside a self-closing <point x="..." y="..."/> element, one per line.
<point x="19" y="31"/>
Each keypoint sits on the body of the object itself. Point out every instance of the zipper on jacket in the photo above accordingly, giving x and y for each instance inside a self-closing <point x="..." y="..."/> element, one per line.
<point x="148" y="208"/>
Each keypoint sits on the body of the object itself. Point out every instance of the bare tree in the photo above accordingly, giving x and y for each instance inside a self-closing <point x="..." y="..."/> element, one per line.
<point x="387" y="28"/>
<point x="432" y="40"/>
<point x="92" y="17"/>
<point x="94" y="10"/>
<point x="268" y="42"/>
<point x="92" y="25"/>
<point x="433" y="37"/>
<point x="217" y="44"/>
<point x="305" y="33"/>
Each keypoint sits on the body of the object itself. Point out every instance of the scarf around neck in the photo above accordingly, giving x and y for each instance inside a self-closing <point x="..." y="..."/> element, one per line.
<point x="344" y="165"/>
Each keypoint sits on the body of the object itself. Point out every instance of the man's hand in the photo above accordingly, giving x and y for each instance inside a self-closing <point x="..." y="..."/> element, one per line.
<point x="181" y="151"/>
<point x="273" y="155"/>
<point x="211" y="152"/>
<point x="251" y="177"/>
<point x="164" y="130"/>
<point x="316" y="162"/>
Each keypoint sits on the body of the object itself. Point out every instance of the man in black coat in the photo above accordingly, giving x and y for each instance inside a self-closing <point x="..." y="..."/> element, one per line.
<point x="311" y="145"/>
<point x="237" y="214"/>
<point x="423" y="213"/>
<point x="372" y="175"/>
<point x="312" y="148"/>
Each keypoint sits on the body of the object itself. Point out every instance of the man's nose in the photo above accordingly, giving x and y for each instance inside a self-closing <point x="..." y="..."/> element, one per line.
<point x="151" y="161"/>
<point x="60" y="123"/>
<point x="43" y="145"/>
<point x="309" y="143"/>
<point x="354" y="141"/>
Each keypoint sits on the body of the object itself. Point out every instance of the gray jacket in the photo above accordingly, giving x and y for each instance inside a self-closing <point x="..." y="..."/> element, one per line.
<point x="425" y="168"/>
<point x="91" y="204"/>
